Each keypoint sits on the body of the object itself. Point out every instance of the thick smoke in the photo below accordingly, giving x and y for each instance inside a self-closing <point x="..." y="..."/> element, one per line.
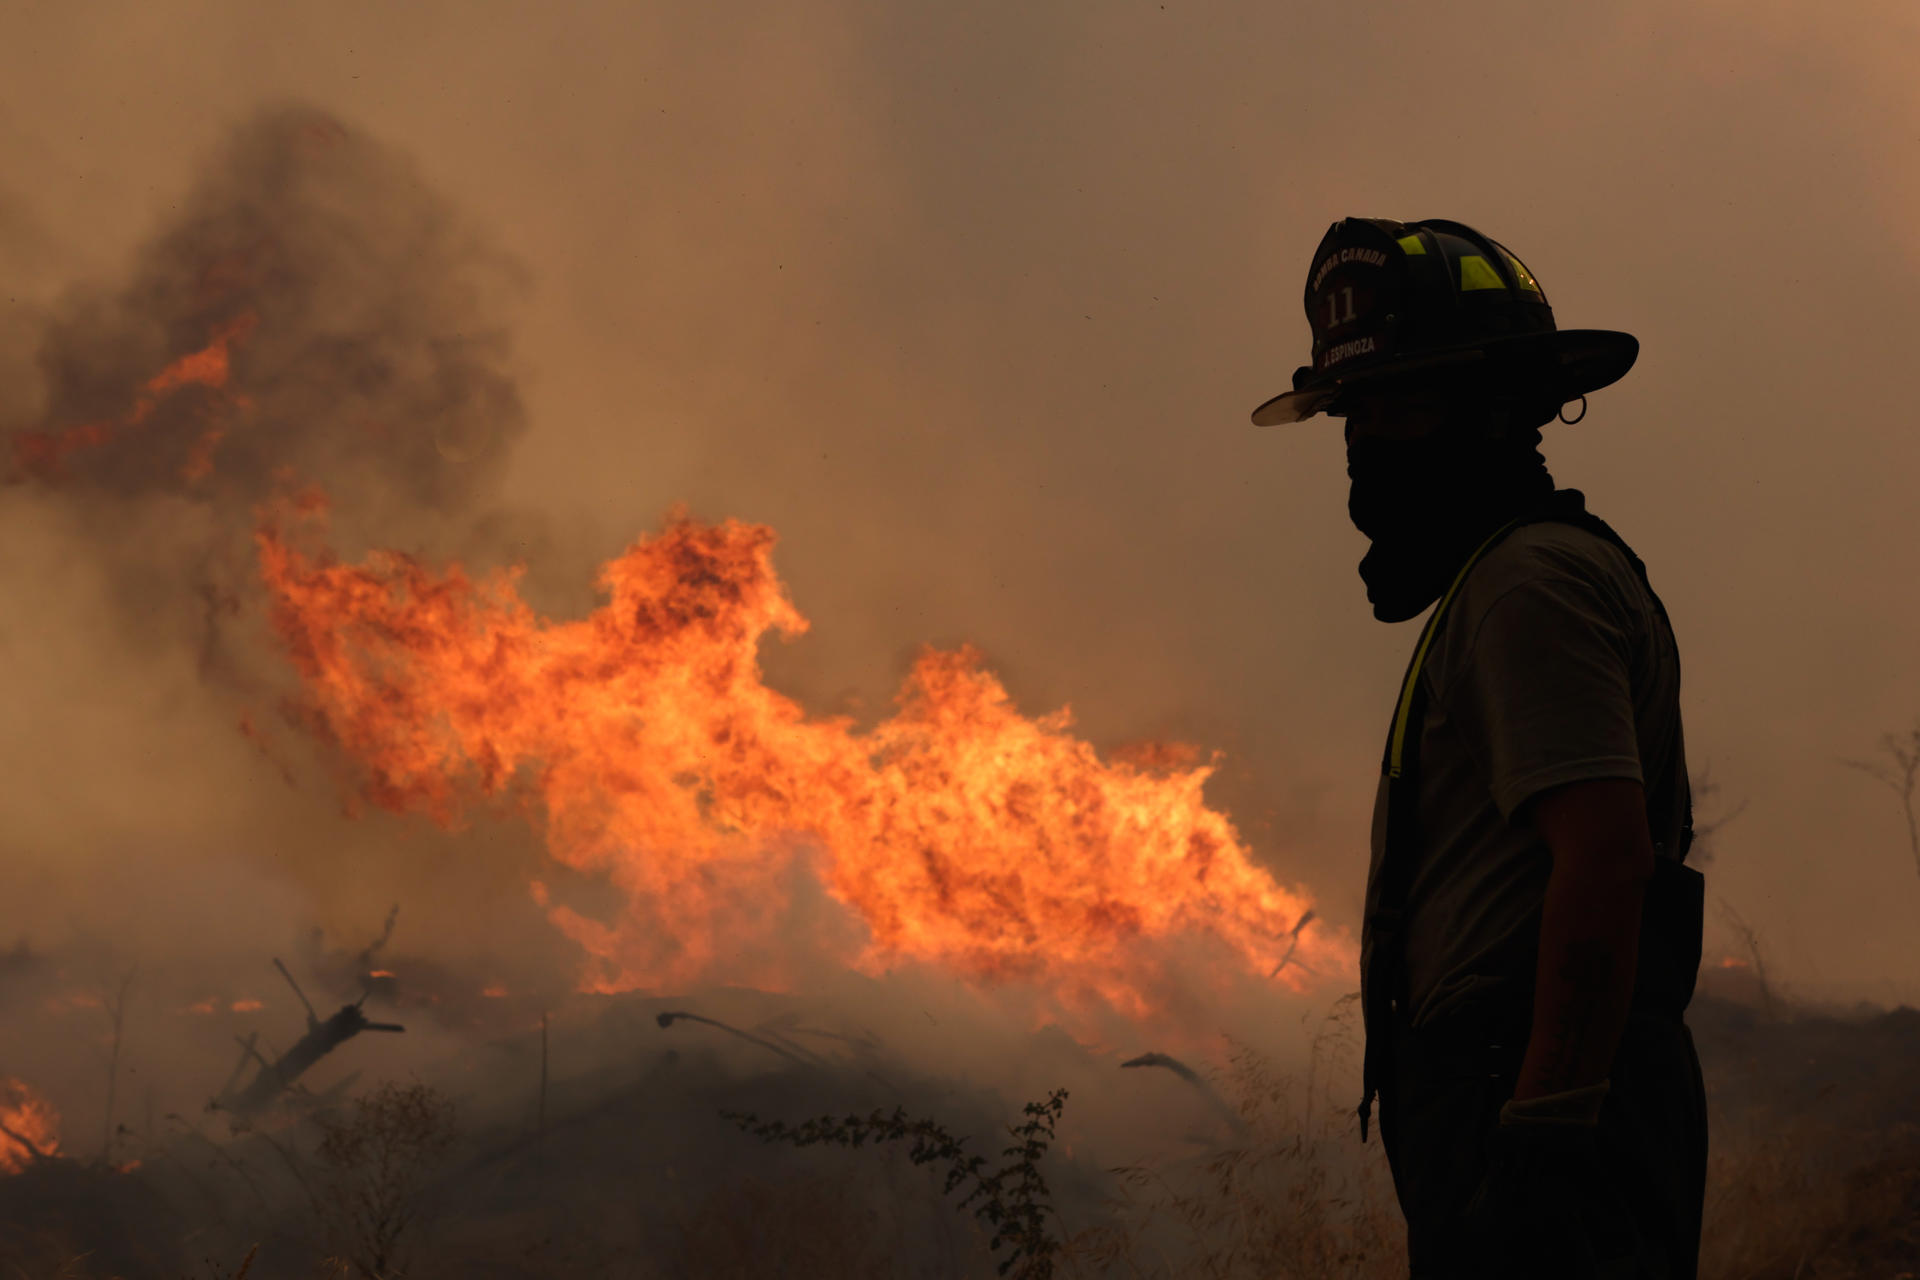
<point x="313" y="313"/>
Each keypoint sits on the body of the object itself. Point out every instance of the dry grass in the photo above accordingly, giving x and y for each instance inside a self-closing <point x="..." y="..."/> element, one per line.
<point x="806" y="1226"/>
<point x="1788" y="1197"/>
<point x="1786" y="1201"/>
<point x="1798" y="1193"/>
<point x="1295" y="1197"/>
<point x="1795" y="1200"/>
<point x="1769" y="1197"/>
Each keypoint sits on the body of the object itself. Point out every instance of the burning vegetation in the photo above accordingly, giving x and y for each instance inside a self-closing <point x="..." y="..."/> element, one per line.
<point x="964" y="835"/>
<point x="29" y="1126"/>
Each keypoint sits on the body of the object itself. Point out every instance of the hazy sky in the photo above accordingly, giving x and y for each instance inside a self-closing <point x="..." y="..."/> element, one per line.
<point x="971" y="303"/>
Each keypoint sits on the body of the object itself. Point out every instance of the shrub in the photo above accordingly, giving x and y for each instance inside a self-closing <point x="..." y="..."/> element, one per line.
<point x="1012" y="1199"/>
<point x="375" y="1162"/>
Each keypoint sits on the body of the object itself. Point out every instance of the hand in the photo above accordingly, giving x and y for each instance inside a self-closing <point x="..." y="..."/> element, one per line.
<point x="1544" y="1207"/>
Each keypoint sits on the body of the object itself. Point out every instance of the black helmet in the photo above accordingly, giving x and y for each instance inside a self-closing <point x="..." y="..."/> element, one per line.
<point x="1388" y="300"/>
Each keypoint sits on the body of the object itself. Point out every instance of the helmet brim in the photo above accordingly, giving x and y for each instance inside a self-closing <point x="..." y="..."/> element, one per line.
<point x="1566" y="362"/>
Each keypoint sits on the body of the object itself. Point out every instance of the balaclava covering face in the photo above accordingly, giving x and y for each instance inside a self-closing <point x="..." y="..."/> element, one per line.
<point x="1426" y="503"/>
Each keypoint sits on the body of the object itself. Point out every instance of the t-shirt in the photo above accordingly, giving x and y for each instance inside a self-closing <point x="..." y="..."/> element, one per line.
<point x="1552" y="666"/>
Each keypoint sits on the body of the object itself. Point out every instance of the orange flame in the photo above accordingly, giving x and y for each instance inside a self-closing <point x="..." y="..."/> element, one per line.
<point x="67" y="1001"/>
<point x="960" y="833"/>
<point x="208" y="367"/>
<point x="42" y="452"/>
<point x="29" y="1126"/>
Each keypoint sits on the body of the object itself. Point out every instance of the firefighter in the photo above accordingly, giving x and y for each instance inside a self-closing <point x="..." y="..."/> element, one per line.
<point x="1531" y="933"/>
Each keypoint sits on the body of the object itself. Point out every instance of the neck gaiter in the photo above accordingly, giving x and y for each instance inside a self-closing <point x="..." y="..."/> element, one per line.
<point x="1427" y="503"/>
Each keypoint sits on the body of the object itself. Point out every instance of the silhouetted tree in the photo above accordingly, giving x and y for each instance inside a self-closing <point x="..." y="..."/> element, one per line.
<point x="1899" y="771"/>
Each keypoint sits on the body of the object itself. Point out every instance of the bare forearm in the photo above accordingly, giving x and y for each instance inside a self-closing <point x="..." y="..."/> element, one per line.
<point x="1589" y="942"/>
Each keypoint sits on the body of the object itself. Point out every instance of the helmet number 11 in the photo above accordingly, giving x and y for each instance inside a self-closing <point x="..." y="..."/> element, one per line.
<point x="1333" y="306"/>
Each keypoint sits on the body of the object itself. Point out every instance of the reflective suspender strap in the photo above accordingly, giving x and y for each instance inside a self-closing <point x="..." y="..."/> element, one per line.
<point x="1384" y="921"/>
<point x="1396" y="746"/>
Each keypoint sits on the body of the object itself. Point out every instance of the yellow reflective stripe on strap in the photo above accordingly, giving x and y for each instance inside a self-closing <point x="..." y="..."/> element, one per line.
<point x="1397" y="750"/>
<point x="1477" y="273"/>
<point x="1412" y="243"/>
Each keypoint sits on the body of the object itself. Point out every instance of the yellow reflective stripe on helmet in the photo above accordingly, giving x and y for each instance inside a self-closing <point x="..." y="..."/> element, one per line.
<point x="1477" y="273"/>
<point x="1412" y="244"/>
<point x="1520" y="273"/>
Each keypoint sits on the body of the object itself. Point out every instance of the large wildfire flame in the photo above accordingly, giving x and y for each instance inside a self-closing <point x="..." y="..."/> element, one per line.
<point x="961" y="833"/>
<point x="29" y="1126"/>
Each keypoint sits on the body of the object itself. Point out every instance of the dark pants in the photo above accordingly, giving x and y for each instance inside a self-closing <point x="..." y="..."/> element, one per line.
<point x="1447" y="1085"/>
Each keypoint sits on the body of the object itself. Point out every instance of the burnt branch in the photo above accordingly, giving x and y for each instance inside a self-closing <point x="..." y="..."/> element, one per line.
<point x="1900" y="773"/>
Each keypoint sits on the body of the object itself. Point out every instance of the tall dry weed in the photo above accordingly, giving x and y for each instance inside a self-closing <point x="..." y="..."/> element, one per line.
<point x="375" y="1162"/>
<point x="1291" y="1196"/>
<point x="1790" y="1198"/>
